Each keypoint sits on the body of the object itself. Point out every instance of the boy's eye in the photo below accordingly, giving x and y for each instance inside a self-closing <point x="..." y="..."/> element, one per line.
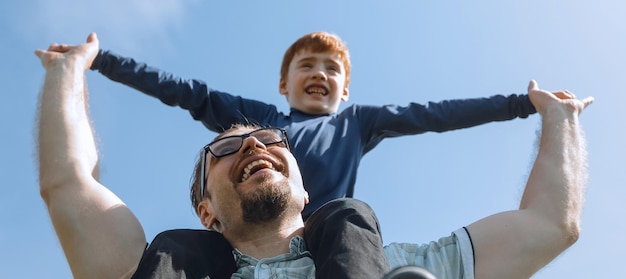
<point x="307" y="65"/>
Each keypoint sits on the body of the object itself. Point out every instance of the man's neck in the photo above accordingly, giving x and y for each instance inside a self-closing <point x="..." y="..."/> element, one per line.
<point x="266" y="240"/>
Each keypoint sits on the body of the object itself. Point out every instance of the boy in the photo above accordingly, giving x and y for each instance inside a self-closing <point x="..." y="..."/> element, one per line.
<point x="314" y="77"/>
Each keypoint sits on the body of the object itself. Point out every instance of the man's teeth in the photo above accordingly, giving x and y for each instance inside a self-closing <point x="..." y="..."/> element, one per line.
<point x="256" y="165"/>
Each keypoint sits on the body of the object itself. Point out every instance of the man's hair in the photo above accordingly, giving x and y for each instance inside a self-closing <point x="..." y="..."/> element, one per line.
<point x="317" y="42"/>
<point x="195" y="195"/>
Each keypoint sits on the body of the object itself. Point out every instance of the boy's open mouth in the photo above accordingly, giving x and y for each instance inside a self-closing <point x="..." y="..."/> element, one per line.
<point x="316" y="90"/>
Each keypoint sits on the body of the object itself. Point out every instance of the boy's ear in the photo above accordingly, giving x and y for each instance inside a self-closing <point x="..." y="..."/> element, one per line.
<point x="282" y="87"/>
<point x="345" y="95"/>
<point x="207" y="218"/>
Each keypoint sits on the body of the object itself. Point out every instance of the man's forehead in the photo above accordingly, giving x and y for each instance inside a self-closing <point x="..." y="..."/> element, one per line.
<point x="236" y="131"/>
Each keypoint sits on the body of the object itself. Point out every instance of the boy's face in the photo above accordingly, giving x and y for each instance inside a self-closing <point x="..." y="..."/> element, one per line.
<point x="315" y="82"/>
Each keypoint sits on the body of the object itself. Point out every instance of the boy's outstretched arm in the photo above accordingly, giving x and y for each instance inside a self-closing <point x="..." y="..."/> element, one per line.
<point x="167" y="87"/>
<point x="216" y="110"/>
<point x="100" y="236"/>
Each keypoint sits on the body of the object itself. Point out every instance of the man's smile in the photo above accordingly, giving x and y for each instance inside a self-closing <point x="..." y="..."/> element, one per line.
<point x="252" y="164"/>
<point x="255" y="166"/>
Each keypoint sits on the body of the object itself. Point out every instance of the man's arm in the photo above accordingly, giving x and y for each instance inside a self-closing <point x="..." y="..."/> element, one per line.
<point x="516" y="244"/>
<point x="100" y="236"/>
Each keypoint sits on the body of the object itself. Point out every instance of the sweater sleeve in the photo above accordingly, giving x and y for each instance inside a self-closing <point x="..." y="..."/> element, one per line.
<point x="216" y="110"/>
<point x="393" y="120"/>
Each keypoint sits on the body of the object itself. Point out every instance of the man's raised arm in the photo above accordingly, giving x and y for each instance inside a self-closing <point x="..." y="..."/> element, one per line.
<point x="518" y="243"/>
<point x="100" y="236"/>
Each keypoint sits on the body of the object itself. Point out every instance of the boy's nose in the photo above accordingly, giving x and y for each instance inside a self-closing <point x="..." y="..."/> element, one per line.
<point x="320" y="74"/>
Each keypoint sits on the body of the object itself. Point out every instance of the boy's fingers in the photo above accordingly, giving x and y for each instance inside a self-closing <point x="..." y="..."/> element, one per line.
<point x="564" y="95"/>
<point x="53" y="46"/>
<point x="92" y="37"/>
<point x="532" y="85"/>
<point x="587" y="101"/>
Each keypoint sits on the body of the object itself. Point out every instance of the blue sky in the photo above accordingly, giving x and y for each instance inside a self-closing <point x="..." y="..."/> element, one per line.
<point x="422" y="187"/>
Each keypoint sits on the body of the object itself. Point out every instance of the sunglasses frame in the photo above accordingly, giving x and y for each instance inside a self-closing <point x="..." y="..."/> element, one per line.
<point x="207" y="149"/>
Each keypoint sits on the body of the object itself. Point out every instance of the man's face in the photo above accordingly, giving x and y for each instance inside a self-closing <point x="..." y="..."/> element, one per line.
<point x="315" y="82"/>
<point x="256" y="184"/>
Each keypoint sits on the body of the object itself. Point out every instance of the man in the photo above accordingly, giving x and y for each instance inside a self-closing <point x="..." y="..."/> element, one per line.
<point x="82" y="210"/>
<point x="89" y="218"/>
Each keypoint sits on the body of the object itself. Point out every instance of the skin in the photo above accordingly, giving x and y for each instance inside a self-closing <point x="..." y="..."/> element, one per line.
<point x="100" y="236"/>
<point x="516" y="244"/>
<point x="221" y="209"/>
<point x="88" y="217"/>
<point x="315" y="82"/>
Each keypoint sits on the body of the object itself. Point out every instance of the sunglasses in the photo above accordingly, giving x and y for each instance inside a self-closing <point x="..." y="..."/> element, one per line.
<point x="232" y="144"/>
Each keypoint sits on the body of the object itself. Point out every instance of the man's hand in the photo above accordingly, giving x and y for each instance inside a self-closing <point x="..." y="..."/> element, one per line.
<point x="80" y="55"/>
<point x="544" y="100"/>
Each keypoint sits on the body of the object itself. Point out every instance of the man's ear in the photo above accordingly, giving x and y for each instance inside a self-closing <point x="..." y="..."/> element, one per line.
<point x="282" y="87"/>
<point x="207" y="218"/>
<point x="345" y="95"/>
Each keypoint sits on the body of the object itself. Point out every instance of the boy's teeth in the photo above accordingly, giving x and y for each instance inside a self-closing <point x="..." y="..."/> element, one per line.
<point x="316" y="90"/>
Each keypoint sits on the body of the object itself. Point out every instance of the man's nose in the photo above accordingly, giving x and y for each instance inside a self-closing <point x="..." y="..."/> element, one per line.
<point x="251" y="144"/>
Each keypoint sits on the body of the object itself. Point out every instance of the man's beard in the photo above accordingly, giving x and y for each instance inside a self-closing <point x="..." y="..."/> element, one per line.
<point x="266" y="203"/>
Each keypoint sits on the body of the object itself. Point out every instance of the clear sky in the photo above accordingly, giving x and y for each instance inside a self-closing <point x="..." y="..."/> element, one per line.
<point x="422" y="187"/>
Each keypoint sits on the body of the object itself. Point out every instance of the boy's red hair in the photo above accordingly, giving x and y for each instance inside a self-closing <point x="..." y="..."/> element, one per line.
<point x="317" y="42"/>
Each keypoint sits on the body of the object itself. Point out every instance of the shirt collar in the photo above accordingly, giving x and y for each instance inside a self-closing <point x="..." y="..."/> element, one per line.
<point x="297" y="249"/>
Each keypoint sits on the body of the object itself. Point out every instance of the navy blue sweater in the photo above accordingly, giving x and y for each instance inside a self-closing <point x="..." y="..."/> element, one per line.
<point x="328" y="148"/>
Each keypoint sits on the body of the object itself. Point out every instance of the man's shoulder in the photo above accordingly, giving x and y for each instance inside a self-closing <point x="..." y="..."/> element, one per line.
<point x="188" y="236"/>
<point x="187" y="253"/>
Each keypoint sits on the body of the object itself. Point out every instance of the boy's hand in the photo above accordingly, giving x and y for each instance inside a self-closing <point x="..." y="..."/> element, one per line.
<point x="543" y="100"/>
<point x="58" y="54"/>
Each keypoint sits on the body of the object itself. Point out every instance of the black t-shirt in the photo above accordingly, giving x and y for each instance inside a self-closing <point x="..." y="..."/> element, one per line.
<point x="189" y="254"/>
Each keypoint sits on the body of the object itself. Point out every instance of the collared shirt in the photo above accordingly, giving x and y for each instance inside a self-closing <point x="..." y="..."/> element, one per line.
<point x="448" y="257"/>
<point x="297" y="264"/>
<point x="185" y="254"/>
